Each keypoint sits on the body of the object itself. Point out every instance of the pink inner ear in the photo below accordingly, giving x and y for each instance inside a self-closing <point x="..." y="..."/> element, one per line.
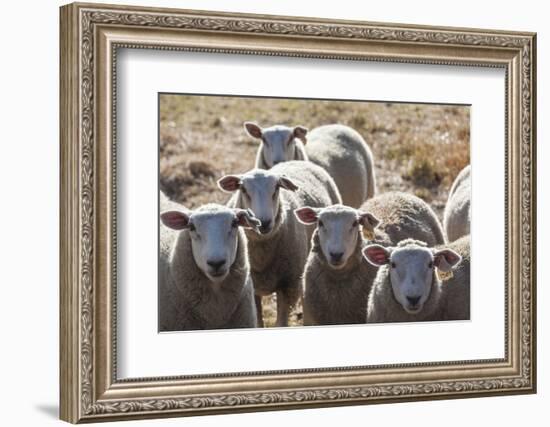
<point x="174" y="219"/>
<point x="377" y="255"/>
<point x="244" y="220"/>
<point x="241" y="219"/>
<point x="230" y="183"/>
<point x="253" y="129"/>
<point x="451" y="257"/>
<point x="306" y="215"/>
<point x="448" y="256"/>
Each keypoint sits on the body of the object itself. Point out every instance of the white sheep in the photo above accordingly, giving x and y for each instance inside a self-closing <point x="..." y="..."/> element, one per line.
<point x="204" y="272"/>
<point x="278" y="252"/>
<point x="338" y="149"/>
<point x="408" y="288"/>
<point x="456" y="304"/>
<point x="336" y="280"/>
<point x="279" y="143"/>
<point x="403" y="216"/>
<point x="456" y="218"/>
<point x="345" y="155"/>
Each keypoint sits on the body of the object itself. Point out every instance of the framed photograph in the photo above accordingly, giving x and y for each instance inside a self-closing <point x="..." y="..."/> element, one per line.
<point x="268" y="212"/>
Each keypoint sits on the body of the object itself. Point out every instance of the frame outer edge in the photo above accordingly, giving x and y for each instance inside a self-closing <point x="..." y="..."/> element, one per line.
<point x="68" y="216"/>
<point x="77" y="339"/>
<point x="533" y="219"/>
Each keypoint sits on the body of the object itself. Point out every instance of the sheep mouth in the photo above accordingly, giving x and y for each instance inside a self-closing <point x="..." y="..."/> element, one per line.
<point x="413" y="309"/>
<point x="337" y="265"/>
<point x="217" y="276"/>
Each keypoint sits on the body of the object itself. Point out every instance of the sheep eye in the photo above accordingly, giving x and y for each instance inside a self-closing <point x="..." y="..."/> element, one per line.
<point x="355" y="223"/>
<point x="192" y="227"/>
<point x="235" y="223"/>
<point x="393" y="265"/>
<point x="321" y="224"/>
<point x="430" y="264"/>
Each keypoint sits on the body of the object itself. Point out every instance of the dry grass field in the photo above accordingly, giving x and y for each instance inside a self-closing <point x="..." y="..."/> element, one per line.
<point x="417" y="148"/>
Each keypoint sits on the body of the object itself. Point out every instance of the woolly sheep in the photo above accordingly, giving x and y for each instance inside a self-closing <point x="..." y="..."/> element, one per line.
<point x="336" y="281"/>
<point x="279" y="144"/>
<point x="456" y="218"/>
<point x="408" y="288"/>
<point x="456" y="305"/>
<point x="278" y="252"/>
<point x="345" y="155"/>
<point x="338" y="149"/>
<point x="203" y="268"/>
<point x="403" y="216"/>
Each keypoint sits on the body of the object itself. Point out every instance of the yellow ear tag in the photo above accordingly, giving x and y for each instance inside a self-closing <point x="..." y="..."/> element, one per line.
<point x="369" y="234"/>
<point x="444" y="275"/>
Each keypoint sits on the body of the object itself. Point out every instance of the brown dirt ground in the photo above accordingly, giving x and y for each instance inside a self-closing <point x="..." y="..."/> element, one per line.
<point x="417" y="148"/>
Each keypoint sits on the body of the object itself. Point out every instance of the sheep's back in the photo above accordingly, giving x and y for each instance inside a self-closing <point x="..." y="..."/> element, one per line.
<point x="457" y="289"/>
<point x="344" y="154"/>
<point x="456" y="218"/>
<point x="404" y="216"/>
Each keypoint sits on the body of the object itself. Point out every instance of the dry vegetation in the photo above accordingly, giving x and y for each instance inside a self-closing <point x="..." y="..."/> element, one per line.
<point x="417" y="148"/>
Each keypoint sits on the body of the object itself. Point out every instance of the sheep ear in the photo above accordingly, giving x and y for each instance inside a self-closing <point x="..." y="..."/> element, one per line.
<point x="446" y="259"/>
<point x="368" y="220"/>
<point x="175" y="220"/>
<point x="300" y="133"/>
<point x="230" y="183"/>
<point x="306" y="215"/>
<point x="377" y="255"/>
<point x="287" y="183"/>
<point x="253" y="129"/>
<point x="247" y="219"/>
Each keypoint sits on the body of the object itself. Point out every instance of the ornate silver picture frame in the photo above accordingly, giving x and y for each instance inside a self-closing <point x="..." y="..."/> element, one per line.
<point x="91" y="36"/>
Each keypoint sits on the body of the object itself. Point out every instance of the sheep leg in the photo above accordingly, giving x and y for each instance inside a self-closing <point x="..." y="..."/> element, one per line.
<point x="259" y="314"/>
<point x="283" y="308"/>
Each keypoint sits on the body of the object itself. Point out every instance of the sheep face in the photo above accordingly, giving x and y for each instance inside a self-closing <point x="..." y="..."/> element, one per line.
<point x="259" y="191"/>
<point x="278" y="142"/>
<point x="213" y="230"/>
<point x="411" y="270"/>
<point x="339" y="228"/>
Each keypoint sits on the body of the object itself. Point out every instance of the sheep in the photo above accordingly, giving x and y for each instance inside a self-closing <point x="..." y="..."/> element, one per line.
<point x="456" y="305"/>
<point x="409" y="288"/>
<point x="385" y="219"/>
<point x="456" y="218"/>
<point x="204" y="270"/>
<point x="403" y="216"/>
<point x="345" y="155"/>
<point x="336" y="281"/>
<point x="338" y="149"/>
<point x="279" y="144"/>
<point x="278" y="252"/>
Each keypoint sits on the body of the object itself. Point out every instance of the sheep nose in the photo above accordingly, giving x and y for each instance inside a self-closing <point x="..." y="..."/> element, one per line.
<point x="413" y="301"/>
<point x="276" y="162"/>
<point x="216" y="264"/>
<point x="265" y="225"/>
<point x="336" y="256"/>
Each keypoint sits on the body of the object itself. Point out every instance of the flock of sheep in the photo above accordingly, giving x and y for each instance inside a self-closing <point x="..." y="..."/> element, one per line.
<point x="307" y="223"/>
